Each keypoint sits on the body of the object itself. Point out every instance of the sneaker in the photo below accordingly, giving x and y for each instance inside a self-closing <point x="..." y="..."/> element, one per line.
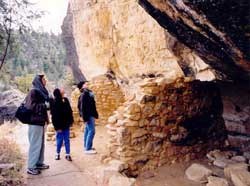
<point x="42" y="166"/>
<point x="90" y="151"/>
<point x="68" y="157"/>
<point x="57" y="157"/>
<point x="33" y="171"/>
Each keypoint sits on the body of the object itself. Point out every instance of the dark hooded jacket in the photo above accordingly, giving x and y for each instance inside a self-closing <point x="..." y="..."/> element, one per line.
<point x="35" y="101"/>
<point x="62" y="117"/>
<point x="87" y="105"/>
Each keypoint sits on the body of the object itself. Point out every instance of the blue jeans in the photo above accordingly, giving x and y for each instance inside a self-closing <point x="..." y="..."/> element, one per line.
<point x="60" y="137"/>
<point x="89" y="133"/>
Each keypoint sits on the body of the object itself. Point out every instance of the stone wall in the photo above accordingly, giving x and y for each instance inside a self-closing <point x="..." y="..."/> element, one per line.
<point x="74" y="102"/>
<point x="108" y="97"/>
<point x="236" y="102"/>
<point x="167" y="121"/>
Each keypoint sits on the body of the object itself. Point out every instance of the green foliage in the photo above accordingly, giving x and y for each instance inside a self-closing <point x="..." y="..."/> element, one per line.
<point x="31" y="53"/>
<point x="5" y="79"/>
<point x="24" y="82"/>
<point x="67" y="80"/>
<point x="14" y="15"/>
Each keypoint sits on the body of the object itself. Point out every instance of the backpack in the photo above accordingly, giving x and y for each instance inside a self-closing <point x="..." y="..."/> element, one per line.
<point x="23" y="114"/>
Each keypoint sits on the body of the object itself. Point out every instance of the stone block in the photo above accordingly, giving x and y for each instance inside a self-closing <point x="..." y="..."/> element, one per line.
<point x="134" y="116"/>
<point x="216" y="181"/>
<point x="50" y="128"/>
<point x="143" y="122"/>
<point x="222" y="163"/>
<point x="247" y="155"/>
<point x="198" y="173"/>
<point x="239" y="159"/>
<point x="7" y="166"/>
<point x="119" y="179"/>
<point x="159" y="134"/>
<point x="112" y="119"/>
<point x="50" y="134"/>
<point x="242" y="167"/>
<point x="110" y="127"/>
<point x="139" y="133"/>
<point x="240" y="178"/>
<point x="133" y="108"/>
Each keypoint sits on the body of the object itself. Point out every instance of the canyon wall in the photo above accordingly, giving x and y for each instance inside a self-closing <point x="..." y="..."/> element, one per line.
<point x="118" y="45"/>
<point x="218" y="31"/>
<point x="119" y="36"/>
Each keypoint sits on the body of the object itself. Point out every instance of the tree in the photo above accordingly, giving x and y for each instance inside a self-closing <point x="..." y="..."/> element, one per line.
<point x="14" y="14"/>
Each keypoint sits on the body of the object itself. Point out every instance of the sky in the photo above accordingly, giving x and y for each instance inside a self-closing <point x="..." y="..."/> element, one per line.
<point x="55" y="12"/>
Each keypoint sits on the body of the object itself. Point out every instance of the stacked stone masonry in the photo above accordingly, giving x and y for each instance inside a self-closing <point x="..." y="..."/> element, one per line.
<point x="74" y="102"/>
<point x="167" y="121"/>
<point x="51" y="133"/>
<point x="108" y="97"/>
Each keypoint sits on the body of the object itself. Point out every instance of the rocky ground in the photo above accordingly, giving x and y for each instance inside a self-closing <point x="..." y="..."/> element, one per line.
<point x="9" y="101"/>
<point x="89" y="170"/>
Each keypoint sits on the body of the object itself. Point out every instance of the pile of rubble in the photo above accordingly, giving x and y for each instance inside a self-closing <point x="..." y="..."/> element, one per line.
<point x="233" y="169"/>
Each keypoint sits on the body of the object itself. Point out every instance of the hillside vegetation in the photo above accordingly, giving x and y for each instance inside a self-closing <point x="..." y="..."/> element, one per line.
<point x="31" y="53"/>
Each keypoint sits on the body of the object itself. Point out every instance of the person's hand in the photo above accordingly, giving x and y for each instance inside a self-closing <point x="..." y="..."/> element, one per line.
<point x="47" y="105"/>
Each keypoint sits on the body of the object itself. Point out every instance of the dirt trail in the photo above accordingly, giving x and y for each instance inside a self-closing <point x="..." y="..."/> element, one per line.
<point x="83" y="170"/>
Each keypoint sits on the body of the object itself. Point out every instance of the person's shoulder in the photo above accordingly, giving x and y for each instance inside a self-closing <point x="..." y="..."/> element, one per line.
<point x="89" y="91"/>
<point x="66" y="100"/>
<point x="33" y="91"/>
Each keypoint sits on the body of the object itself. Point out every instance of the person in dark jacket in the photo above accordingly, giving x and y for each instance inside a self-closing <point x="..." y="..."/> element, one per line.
<point x="36" y="101"/>
<point x="87" y="110"/>
<point x="62" y="119"/>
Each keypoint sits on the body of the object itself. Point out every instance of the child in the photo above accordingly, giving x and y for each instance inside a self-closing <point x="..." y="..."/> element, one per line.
<point x="62" y="120"/>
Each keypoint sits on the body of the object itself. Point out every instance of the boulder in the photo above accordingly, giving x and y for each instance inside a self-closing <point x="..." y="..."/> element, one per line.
<point x="242" y="167"/>
<point x="9" y="101"/>
<point x="198" y="173"/>
<point x="240" y="178"/>
<point x="118" y="179"/>
<point x="216" y="181"/>
<point x="6" y="166"/>
<point x="239" y="159"/>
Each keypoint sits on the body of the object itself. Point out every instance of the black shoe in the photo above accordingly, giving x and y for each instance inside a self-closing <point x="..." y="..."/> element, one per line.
<point x="57" y="157"/>
<point x="42" y="166"/>
<point x="33" y="171"/>
<point x="68" y="157"/>
<point x="90" y="149"/>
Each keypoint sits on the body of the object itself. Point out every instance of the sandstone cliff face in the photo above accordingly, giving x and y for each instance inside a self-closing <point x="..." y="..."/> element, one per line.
<point x="69" y="42"/>
<point x="121" y="41"/>
<point x="119" y="36"/>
